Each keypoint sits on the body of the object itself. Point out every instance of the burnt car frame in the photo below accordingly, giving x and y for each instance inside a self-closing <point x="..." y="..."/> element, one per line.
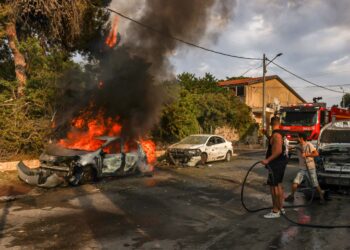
<point x="61" y="166"/>
<point x="333" y="168"/>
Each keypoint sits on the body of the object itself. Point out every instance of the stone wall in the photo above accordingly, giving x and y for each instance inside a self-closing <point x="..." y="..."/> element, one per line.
<point x="227" y="132"/>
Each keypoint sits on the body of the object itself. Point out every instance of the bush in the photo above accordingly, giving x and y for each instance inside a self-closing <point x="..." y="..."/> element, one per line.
<point x="25" y="123"/>
<point x="201" y="106"/>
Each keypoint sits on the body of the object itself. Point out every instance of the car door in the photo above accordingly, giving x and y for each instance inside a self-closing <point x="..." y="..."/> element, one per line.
<point x="221" y="147"/>
<point x="112" y="158"/>
<point x="213" y="149"/>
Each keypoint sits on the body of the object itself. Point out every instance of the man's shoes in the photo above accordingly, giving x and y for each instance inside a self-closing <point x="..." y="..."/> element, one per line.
<point x="272" y="215"/>
<point x="290" y="198"/>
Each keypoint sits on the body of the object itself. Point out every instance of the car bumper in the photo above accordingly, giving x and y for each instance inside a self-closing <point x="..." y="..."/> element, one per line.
<point x="38" y="176"/>
<point x="334" y="178"/>
<point x="186" y="160"/>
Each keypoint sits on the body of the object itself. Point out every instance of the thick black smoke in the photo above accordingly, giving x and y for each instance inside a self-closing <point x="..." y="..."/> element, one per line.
<point x="184" y="19"/>
<point x="129" y="73"/>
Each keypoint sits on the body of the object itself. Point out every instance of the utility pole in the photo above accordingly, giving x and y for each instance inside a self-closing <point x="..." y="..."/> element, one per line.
<point x="264" y="101"/>
<point x="342" y="98"/>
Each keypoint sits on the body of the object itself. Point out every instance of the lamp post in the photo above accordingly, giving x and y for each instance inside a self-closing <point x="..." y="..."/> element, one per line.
<point x="264" y="90"/>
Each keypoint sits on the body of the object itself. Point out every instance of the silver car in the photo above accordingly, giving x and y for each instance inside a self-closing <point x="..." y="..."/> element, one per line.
<point x="61" y="166"/>
<point x="334" y="149"/>
<point x="201" y="148"/>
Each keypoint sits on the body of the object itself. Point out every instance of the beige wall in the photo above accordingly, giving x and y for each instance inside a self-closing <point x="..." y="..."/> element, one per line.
<point x="274" y="88"/>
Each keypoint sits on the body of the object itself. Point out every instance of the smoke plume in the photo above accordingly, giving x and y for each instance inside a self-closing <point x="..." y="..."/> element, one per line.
<point x="123" y="83"/>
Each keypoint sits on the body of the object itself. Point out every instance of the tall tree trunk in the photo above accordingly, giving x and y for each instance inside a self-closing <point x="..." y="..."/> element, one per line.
<point x="19" y="60"/>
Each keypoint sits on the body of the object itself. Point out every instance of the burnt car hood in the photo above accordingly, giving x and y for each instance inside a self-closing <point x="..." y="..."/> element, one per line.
<point x="56" y="150"/>
<point x="38" y="177"/>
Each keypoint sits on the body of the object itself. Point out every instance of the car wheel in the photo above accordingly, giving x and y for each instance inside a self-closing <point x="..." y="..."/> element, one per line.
<point x="204" y="158"/>
<point x="89" y="175"/>
<point x="228" y="157"/>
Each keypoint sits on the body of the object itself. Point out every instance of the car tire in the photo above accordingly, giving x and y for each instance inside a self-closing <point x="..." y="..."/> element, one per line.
<point x="89" y="175"/>
<point x="228" y="157"/>
<point x="204" y="159"/>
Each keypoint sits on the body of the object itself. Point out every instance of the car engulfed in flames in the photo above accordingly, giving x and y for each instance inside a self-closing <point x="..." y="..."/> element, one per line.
<point x="61" y="166"/>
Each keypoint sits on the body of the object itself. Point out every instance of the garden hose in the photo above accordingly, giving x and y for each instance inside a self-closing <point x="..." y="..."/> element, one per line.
<point x="293" y="206"/>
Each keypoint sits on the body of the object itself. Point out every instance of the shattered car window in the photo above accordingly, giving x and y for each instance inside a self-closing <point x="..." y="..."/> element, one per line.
<point x="113" y="148"/>
<point x="194" y="140"/>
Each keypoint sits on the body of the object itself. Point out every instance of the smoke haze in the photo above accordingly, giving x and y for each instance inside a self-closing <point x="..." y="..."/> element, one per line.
<point x="130" y="71"/>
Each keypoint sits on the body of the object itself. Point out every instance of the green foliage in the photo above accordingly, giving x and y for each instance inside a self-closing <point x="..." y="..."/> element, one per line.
<point x="49" y="34"/>
<point x="179" y="118"/>
<point x="345" y="100"/>
<point x="206" y="84"/>
<point x="25" y="122"/>
<point x="201" y="106"/>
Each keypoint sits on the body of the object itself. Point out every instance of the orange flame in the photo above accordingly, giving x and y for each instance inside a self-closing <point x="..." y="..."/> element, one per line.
<point x="84" y="132"/>
<point x="150" y="149"/>
<point x="112" y="37"/>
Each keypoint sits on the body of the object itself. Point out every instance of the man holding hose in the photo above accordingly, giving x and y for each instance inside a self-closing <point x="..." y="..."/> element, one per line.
<point x="276" y="160"/>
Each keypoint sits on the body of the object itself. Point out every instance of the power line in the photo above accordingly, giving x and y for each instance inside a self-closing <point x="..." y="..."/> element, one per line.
<point x="332" y="86"/>
<point x="181" y="40"/>
<point x="303" y="79"/>
<point x="215" y="51"/>
<point x="245" y="72"/>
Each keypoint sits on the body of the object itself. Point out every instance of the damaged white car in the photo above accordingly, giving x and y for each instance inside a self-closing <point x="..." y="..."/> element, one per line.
<point x="61" y="166"/>
<point x="199" y="149"/>
<point x="334" y="149"/>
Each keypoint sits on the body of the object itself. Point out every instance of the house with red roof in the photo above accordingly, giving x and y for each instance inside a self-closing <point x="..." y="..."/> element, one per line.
<point x="250" y="91"/>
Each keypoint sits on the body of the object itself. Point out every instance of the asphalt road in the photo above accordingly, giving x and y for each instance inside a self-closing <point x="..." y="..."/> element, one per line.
<point x="178" y="208"/>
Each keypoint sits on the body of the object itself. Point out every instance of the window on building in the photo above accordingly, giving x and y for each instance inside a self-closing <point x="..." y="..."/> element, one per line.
<point x="240" y="91"/>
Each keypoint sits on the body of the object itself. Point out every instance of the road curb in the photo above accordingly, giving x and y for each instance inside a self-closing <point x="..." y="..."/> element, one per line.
<point x="12" y="165"/>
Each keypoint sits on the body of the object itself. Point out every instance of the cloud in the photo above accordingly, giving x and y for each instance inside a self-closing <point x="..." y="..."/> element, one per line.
<point x="313" y="35"/>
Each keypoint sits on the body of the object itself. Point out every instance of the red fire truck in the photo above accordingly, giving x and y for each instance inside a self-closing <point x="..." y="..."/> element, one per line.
<point x="308" y="118"/>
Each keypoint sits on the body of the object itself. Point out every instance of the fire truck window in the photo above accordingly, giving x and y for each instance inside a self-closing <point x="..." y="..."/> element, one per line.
<point x="300" y="118"/>
<point x="113" y="148"/>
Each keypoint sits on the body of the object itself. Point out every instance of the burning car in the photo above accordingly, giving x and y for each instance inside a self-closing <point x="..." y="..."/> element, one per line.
<point x="63" y="166"/>
<point x="202" y="148"/>
<point x="334" y="149"/>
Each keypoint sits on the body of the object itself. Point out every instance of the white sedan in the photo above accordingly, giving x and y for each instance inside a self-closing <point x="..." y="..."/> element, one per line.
<point x="201" y="149"/>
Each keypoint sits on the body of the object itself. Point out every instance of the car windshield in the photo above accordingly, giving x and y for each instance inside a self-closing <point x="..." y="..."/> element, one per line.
<point x="335" y="136"/>
<point x="194" y="140"/>
<point x="298" y="118"/>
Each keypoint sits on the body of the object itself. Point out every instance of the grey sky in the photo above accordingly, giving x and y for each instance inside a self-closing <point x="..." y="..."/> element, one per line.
<point x="313" y="35"/>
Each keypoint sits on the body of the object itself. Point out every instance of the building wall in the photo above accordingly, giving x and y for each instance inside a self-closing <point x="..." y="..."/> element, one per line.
<point x="274" y="89"/>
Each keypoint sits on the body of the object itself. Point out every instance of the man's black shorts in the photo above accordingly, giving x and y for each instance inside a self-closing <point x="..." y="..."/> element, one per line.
<point x="276" y="173"/>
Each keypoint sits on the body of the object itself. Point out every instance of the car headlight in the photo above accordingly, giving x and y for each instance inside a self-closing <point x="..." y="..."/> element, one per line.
<point x="194" y="152"/>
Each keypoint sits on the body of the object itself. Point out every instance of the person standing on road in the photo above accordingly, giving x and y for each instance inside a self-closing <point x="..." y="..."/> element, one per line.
<point x="306" y="153"/>
<point x="276" y="160"/>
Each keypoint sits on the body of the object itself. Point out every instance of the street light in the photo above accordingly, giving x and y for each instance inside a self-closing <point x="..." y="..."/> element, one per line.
<point x="264" y="86"/>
